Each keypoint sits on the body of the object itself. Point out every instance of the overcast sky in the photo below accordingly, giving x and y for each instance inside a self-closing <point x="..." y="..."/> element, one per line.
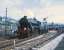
<point x="53" y="9"/>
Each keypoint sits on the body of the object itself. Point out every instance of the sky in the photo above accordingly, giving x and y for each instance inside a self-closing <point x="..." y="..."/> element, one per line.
<point x="53" y="10"/>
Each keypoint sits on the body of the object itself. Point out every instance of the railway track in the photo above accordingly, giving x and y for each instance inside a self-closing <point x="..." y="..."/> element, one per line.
<point x="32" y="42"/>
<point x="36" y="41"/>
<point x="6" y="43"/>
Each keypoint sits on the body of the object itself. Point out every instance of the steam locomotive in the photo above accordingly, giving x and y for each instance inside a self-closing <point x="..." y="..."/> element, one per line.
<point x="33" y="27"/>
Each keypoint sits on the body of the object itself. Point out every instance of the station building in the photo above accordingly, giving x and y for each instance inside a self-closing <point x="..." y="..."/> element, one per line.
<point x="7" y="26"/>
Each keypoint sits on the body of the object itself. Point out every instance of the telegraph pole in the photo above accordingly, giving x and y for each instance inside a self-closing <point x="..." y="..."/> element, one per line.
<point x="6" y="22"/>
<point x="6" y="12"/>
